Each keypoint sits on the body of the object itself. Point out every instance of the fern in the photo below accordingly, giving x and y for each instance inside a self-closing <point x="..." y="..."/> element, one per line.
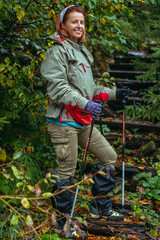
<point x="3" y="121"/>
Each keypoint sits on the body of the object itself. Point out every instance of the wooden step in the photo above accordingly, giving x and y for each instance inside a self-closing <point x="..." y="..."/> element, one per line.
<point x="133" y="83"/>
<point x="122" y="66"/>
<point x="141" y="125"/>
<point x="126" y="74"/>
<point x="129" y="58"/>
<point x="133" y="141"/>
<point x="110" y="228"/>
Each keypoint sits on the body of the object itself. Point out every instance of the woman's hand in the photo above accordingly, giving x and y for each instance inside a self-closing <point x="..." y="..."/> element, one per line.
<point x="94" y="108"/>
<point x="122" y="92"/>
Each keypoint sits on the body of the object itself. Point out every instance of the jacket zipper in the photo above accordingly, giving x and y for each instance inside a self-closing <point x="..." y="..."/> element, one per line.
<point x="84" y="68"/>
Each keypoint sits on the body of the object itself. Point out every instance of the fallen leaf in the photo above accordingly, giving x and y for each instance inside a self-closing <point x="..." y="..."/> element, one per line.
<point x="133" y="237"/>
<point x="54" y="218"/>
<point x="145" y="201"/>
<point x="127" y="220"/>
<point x="141" y="168"/>
<point x="29" y="220"/>
<point x="141" y="190"/>
<point x="25" y="202"/>
<point x="37" y="190"/>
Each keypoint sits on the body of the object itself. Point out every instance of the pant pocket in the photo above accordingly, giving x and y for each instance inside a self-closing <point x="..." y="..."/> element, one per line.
<point x="60" y="139"/>
<point x="62" y="150"/>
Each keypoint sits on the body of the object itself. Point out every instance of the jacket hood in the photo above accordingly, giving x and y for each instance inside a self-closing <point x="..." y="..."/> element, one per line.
<point x="66" y="42"/>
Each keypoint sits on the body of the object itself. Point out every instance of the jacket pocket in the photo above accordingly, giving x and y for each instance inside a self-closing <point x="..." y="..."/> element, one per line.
<point x="81" y="78"/>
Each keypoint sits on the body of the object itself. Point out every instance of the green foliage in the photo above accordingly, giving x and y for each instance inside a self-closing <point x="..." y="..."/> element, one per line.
<point x="150" y="183"/>
<point x="2" y="122"/>
<point x="151" y="100"/>
<point x="26" y="151"/>
<point x="147" y="214"/>
<point x="52" y="236"/>
<point x="150" y="107"/>
<point x="143" y="209"/>
<point x="146" y="33"/>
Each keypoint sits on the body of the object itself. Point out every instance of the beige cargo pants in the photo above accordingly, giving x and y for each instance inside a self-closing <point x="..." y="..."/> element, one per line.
<point x="66" y="140"/>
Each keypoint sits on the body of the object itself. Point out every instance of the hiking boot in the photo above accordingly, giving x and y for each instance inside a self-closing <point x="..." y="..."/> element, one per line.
<point x="106" y="214"/>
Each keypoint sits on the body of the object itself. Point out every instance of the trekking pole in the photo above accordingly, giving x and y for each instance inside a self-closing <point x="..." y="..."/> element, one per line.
<point x="83" y="163"/>
<point x="100" y="117"/>
<point x="123" y="152"/>
<point x="100" y="124"/>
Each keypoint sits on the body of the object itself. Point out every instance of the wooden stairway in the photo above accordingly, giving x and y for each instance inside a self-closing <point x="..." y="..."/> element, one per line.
<point x="124" y="75"/>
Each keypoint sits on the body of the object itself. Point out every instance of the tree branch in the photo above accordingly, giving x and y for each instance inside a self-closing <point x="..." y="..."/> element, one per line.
<point x="12" y="23"/>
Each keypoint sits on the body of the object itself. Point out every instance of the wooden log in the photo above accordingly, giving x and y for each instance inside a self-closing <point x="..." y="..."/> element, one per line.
<point x="135" y="169"/>
<point x="130" y="172"/>
<point x="127" y="205"/>
<point x="111" y="227"/>
<point x="143" y="125"/>
<point x="129" y="72"/>
<point x="132" y="141"/>
<point x="146" y="150"/>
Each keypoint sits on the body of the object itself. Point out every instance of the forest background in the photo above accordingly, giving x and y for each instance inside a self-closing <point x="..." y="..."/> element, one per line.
<point x="26" y="152"/>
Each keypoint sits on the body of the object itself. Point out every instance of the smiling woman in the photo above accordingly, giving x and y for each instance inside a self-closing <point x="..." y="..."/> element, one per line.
<point x="71" y="88"/>
<point x="70" y="20"/>
<point x="74" y="26"/>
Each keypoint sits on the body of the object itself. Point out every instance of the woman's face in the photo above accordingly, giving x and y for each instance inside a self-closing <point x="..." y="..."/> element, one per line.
<point x="74" y="25"/>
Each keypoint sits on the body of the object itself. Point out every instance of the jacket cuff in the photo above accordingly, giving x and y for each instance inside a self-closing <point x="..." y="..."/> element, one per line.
<point x="82" y="103"/>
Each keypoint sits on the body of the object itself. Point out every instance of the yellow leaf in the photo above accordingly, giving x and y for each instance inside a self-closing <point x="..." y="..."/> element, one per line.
<point x="42" y="56"/>
<point x="143" y="45"/>
<point x="51" y="14"/>
<point x="33" y="115"/>
<point x="47" y="194"/>
<point x="30" y="188"/>
<point x="48" y="175"/>
<point x="25" y="202"/>
<point x="18" y="174"/>
<point x="103" y="21"/>
<point x="20" y="95"/>
<point x="2" y="67"/>
<point x="101" y="172"/>
<point x="31" y="73"/>
<point x="6" y="175"/>
<point x="14" y="220"/>
<point x="3" y="155"/>
<point x="45" y="229"/>
<point x="147" y="201"/>
<point x="53" y="219"/>
<point x="142" y="168"/>
<point x="118" y="6"/>
<point x="112" y="9"/>
<point x="127" y="220"/>
<point x="29" y="220"/>
<point x="10" y="83"/>
<point x="90" y="28"/>
<point x="20" y="14"/>
<point x="117" y="47"/>
<point x="35" y="83"/>
<point x="55" y="18"/>
<point x="154" y="233"/>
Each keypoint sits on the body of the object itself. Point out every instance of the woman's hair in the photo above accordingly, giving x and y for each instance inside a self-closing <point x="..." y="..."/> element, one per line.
<point x="60" y="30"/>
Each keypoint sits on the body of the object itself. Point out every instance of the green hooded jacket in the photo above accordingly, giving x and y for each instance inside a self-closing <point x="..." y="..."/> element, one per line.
<point x="67" y="71"/>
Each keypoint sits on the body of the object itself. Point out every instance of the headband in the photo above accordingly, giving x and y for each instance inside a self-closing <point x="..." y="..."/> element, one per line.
<point x="64" y="12"/>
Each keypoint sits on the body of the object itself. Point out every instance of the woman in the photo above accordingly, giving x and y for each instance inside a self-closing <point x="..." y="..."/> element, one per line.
<point x="70" y="86"/>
